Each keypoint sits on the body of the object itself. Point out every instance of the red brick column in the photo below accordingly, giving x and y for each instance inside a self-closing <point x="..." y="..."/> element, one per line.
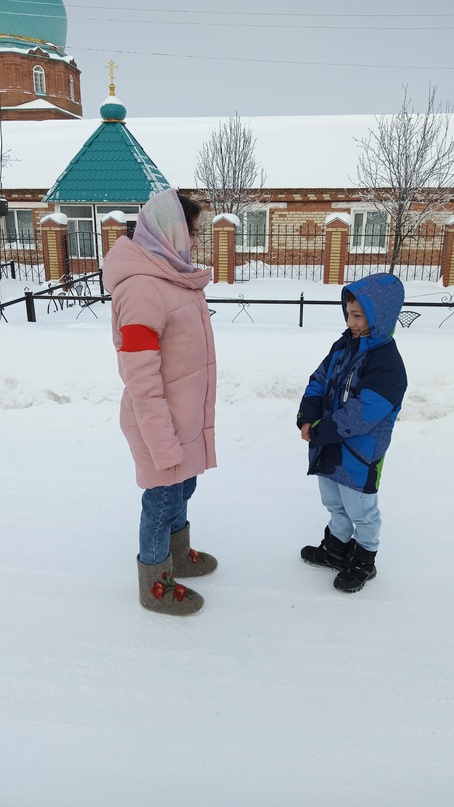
<point x="336" y="247"/>
<point x="224" y="232"/>
<point x="112" y="227"/>
<point x="54" y="229"/>
<point x="447" y="254"/>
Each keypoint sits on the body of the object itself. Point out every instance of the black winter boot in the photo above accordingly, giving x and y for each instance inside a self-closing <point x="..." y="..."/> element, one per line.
<point x="331" y="553"/>
<point x="358" y="569"/>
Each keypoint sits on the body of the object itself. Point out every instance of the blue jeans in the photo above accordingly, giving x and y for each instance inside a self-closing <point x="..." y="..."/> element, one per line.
<point x="164" y="511"/>
<point x="353" y="514"/>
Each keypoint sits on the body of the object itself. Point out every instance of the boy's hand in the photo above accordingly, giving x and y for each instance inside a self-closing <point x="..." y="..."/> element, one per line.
<point x="305" y="432"/>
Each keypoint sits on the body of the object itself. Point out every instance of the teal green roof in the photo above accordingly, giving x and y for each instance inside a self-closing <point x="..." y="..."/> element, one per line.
<point x="111" y="167"/>
<point x="35" y="20"/>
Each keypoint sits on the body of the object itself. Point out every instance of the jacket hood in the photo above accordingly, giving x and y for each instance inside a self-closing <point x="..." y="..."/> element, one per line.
<point x="127" y="259"/>
<point x="381" y="297"/>
<point x="161" y="229"/>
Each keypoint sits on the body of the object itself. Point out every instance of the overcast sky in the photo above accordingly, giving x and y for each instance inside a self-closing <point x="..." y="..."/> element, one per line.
<point x="262" y="57"/>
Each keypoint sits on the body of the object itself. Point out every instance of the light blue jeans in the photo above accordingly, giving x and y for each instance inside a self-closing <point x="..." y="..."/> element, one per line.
<point x="164" y="511"/>
<point x="353" y="514"/>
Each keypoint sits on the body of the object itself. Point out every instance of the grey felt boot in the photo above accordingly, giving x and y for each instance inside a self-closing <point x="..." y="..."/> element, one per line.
<point x="188" y="562"/>
<point x="159" y="591"/>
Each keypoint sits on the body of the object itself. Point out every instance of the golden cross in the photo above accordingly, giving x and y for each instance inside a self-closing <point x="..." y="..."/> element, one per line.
<point x="111" y="66"/>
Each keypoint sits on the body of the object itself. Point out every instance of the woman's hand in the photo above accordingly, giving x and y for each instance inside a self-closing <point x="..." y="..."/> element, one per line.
<point x="305" y="432"/>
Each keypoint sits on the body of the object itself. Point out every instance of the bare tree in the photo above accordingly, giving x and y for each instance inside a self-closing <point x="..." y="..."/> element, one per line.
<point x="6" y="158"/>
<point x="406" y="168"/>
<point x="226" y="168"/>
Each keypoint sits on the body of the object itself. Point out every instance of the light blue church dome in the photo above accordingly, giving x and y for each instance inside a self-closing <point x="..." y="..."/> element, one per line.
<point x="35" y="21"/>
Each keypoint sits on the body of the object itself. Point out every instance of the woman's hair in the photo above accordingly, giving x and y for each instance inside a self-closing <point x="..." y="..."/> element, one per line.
<point x="191" y="210"/>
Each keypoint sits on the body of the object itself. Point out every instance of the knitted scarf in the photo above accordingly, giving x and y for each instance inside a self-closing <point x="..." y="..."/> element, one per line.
<point x="162" y="230"/>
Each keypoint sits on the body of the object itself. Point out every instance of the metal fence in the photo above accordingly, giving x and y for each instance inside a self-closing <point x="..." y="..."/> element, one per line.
<point x="370" y="250"/>
<point x="283" y="252"/>
<point x="299" y="252"/>
<point x="79" y="292"/>
<point x="203" y="256"/>
<point x="21" y="256"/>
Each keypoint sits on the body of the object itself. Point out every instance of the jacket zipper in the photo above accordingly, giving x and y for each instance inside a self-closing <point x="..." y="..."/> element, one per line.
<point x="347" y="387"/>
<point x="360" y="459"/>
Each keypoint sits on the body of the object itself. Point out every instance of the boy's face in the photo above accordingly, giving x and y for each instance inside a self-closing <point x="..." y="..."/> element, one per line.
<point x="356" y="320"/>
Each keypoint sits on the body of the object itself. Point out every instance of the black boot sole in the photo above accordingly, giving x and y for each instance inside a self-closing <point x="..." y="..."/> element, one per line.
<point x="322" y="565"/>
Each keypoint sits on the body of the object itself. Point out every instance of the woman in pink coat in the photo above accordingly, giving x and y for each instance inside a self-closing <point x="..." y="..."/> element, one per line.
<point x="164" y="341"/>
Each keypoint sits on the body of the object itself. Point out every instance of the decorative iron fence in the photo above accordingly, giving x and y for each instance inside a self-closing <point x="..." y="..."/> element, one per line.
<point x="282" y="252"/>
<point x="203" y="256"/>
<point x="370" y="251"/>
<point x="78" y="291"/>
<point x="82" y="292"/>
<point x="299" y="253"/>
<point x="21" y="256"/>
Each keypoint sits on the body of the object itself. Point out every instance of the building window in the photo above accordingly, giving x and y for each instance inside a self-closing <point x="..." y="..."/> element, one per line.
<point x="71" y="89"/>
<point x="370" y="230"/>
<point x="81" y="234"/>
<point x="131" y="212"/>
<point x="18" y="229"/>
<point x="102" y="210"/>
<point x="251" y="236"/>
<point x="39" y="80"/>
<point x="81" y="239"/>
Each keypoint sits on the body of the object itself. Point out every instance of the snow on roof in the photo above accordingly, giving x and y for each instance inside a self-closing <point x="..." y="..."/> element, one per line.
<point x="40" y="103"/>
<point x="294" y="151"/>
<point x="51" y="53"/>
<point x="228" y="217"/>
<point x="117" y="215"/>
<point x="59" y="218"/>
<point x="345" y="217"/>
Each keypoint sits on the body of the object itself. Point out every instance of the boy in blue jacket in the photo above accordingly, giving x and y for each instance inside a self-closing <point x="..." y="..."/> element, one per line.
<point x="347" y="415"/>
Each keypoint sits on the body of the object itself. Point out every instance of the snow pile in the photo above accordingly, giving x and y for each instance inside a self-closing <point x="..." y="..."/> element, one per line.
<point x="282" y="690"/>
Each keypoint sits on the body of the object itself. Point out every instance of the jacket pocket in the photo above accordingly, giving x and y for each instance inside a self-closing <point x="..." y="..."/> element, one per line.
<point x="356" y="456"/>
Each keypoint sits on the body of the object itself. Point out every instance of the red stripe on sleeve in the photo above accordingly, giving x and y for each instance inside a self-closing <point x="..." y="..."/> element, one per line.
<point x="138" y="337"/>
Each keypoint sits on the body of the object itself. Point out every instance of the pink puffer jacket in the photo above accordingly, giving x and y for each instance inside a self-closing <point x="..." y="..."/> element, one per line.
<point x="162" y="333"/>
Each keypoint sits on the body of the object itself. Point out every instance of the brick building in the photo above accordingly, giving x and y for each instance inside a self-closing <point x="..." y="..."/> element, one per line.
<point x="38" y="80"/>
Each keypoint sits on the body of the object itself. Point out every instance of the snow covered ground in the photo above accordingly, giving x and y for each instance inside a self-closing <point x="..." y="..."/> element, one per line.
<point x="282" y="690"/>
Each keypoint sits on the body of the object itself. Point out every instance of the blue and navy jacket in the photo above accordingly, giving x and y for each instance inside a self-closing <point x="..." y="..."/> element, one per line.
<point x="353" y="398"/>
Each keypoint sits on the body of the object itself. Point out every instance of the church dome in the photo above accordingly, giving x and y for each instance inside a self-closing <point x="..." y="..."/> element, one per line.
<point x="35" y="20"/>
<point x="113" y="110"/>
